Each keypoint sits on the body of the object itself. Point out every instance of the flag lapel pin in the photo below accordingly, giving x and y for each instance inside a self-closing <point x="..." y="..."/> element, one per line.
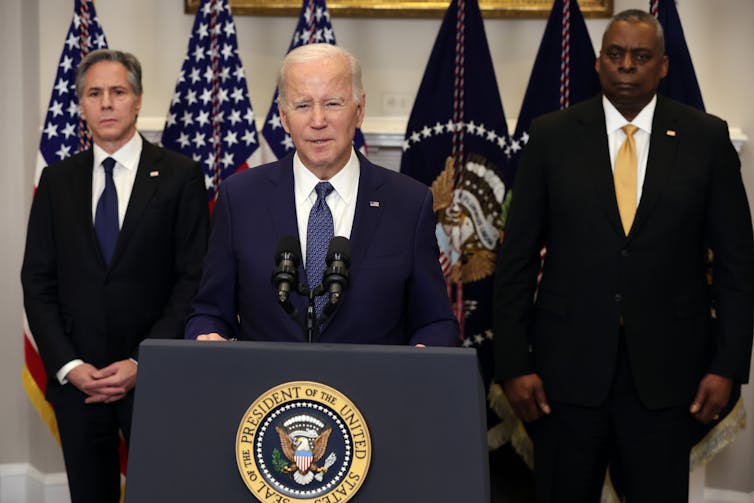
<point x="670" y="132"/>
<point x="374" y="204"/>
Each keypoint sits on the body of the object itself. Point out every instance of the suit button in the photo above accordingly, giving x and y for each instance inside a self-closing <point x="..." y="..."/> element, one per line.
<point x="624" y="252"/>
<point x="618" y="297"/>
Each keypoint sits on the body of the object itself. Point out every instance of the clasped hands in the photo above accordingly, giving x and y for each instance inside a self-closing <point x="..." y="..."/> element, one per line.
<point x="105" y="385"/>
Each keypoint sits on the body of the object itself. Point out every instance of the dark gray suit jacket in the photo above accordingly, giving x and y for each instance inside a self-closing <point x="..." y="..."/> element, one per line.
<point x="654" y="279"/>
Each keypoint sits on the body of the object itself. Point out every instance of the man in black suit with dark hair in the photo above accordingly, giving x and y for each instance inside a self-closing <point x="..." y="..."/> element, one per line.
<point x="114" y="247"/>
<point x="616" y="356"/>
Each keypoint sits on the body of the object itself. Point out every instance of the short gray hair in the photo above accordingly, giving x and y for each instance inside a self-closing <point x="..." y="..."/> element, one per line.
<point x="316" y="52"/>
<point x="638" y="16"/>
<point x="128" y="60"/>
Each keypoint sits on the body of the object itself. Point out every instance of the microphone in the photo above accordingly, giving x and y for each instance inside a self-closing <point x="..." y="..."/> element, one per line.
<point x="335" y="278"/>
<point x="285" y="274"/>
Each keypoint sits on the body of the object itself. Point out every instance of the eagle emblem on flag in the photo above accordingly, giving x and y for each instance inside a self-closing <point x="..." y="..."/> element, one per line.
<point x="470" y="219"/>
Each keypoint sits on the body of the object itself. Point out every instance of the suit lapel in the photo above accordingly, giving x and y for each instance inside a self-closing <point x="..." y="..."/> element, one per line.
<point x="662" y="152"/>
<point x="367" y="215"/>
<point x="597" y="159"/>
<point x="146" y="182"/>
<point x="281" y="211"/>
<point x="369" y="204"/>
<point x="282" y="199"/>
<point x="81" y="192"/>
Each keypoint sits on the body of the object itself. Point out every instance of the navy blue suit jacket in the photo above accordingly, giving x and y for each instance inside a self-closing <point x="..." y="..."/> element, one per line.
<point x="397" y="294"/>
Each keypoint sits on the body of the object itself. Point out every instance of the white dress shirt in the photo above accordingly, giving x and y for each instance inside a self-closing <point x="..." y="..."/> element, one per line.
<point x="614" y="121"/>
<point x="124" y="174"/>
<point x="341" y="201"/>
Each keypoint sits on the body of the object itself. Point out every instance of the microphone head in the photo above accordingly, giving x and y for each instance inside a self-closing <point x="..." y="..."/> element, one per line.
<point x="339" y="249"/>
<point x="289" y="245"/>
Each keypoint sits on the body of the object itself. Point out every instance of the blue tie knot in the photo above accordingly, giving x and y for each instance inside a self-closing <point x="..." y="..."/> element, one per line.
<point x="108" y="164"/>
<point x="323" y="190"/>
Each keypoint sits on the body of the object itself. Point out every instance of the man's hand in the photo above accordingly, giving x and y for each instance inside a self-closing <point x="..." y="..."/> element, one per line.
<point x="111" y="383"/>
<point x="526" y="396"/>
<point x="81" y="376"/>
<point x="711" y="398"/>
<point x="210" y="337"/>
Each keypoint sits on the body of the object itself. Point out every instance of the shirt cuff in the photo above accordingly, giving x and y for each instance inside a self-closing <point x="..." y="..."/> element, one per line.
<point x="63" y="372"/>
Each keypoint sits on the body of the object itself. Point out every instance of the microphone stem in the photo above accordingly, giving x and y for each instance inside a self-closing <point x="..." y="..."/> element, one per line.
<point x="310" y="320"/>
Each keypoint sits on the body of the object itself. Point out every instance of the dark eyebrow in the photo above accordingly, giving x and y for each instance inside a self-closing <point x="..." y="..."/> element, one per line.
<point x="615" y="47"/>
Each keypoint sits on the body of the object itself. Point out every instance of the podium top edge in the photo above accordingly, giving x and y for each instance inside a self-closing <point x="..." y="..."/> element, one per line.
<point x="192" y="345"/>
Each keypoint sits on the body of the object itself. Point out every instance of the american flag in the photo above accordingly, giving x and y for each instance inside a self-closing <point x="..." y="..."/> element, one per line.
<point x="313" y="26"/>
<point x="64" y="134"/>
<point x="210" y="117"/>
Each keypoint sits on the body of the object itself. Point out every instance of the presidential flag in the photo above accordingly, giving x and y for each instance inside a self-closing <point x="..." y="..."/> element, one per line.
<point x="457" y="143"/>
<point x="563" y="72"/>
<point x="64" y="134"/>
<point x="680" y="83"/>
<point x="313" y="27"/>
<point x="210" y="117"/>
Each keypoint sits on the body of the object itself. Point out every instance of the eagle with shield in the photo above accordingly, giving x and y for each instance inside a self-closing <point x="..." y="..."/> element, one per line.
<point x="304" y="449"/>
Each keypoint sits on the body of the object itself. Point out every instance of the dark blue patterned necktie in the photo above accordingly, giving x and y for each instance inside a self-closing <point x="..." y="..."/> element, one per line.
<point x="106" y="216"/>
<point x="319" y="232"/>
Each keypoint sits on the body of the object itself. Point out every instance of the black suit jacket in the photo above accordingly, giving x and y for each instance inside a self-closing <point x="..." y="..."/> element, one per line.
<point x="77" y="307"/>
<point x="653" y="279"/>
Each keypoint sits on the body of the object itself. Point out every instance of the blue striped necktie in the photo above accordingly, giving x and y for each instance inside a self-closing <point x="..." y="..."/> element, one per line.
<point x="319" y="232"/>
<point x="106" y="216"/>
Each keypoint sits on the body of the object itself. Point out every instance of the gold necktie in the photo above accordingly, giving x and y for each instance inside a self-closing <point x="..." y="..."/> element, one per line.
<point x="624" y="176"/>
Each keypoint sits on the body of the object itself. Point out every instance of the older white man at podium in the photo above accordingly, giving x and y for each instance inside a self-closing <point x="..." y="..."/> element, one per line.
<point x="394" y="291"/>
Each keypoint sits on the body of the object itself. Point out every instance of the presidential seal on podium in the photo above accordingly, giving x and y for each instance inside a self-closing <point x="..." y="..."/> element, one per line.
<point x="304" y="442"/>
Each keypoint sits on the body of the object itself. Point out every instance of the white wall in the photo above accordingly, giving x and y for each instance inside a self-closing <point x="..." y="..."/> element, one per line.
<point x="393" y="53"/>
<point x="14" y="422"/>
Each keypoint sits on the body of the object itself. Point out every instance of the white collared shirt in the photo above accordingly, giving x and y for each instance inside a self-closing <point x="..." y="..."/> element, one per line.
<point x="614" y="121"/>
<point x="124" y="174"/>
<point x="341" y="201"/>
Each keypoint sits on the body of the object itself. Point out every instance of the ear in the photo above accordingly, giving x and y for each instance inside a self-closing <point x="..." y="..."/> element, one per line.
<point x="283" y="117"/>
<point x="665" y="66"/>
<point x="360" y="110"/>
